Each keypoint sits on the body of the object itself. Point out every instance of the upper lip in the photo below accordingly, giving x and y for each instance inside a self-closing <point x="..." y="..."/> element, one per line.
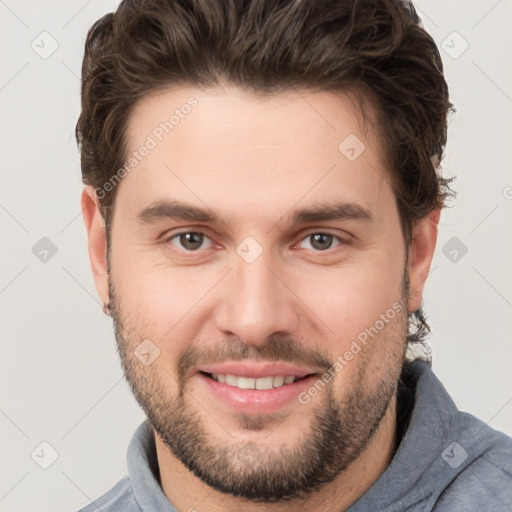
<point x="256" y="370"/>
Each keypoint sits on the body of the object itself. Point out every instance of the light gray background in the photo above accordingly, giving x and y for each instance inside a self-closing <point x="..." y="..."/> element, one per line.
<point x="60" y="377"/>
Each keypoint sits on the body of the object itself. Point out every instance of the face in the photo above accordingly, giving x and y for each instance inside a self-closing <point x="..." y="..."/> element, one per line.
<point x="248" y="245"/>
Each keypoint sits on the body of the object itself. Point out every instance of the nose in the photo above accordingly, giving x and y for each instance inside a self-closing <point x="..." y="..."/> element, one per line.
<point x="256" y="303"/>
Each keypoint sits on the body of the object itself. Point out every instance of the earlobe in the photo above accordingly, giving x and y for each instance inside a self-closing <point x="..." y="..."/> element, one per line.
<point x="97" y="241"/>
<point x="421" y="252"/>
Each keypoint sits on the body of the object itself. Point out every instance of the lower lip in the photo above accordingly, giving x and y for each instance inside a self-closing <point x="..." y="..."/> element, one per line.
<point x="257" y="401"/>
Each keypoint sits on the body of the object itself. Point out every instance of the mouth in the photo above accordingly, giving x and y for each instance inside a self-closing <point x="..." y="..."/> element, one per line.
<point x="259" y="383"/>
<point x="259" y="391"/>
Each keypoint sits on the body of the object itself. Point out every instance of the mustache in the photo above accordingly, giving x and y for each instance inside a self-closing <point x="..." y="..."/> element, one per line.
<point x="278" y="348"/>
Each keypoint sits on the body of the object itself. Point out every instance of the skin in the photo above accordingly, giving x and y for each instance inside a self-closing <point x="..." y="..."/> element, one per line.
<point x="253" y="161"/>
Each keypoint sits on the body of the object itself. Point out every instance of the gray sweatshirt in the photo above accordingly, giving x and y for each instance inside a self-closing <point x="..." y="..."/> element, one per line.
<point x="447" y="461"/>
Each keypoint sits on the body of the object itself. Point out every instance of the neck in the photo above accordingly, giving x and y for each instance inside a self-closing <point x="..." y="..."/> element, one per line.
<point x="187" y="492"/>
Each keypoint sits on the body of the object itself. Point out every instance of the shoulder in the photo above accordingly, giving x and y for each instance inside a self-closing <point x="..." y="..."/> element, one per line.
<point x="118" y="499"/>
<point x="487" y="480"/>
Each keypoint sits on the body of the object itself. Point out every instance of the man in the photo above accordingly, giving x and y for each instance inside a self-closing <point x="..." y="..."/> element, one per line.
<point x="262" y="200"/>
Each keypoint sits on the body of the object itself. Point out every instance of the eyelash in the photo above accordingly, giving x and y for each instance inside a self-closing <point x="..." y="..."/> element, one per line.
<point x="341" y="241"/>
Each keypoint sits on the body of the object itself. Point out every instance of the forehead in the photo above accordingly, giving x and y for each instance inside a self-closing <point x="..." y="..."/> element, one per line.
<point x="316" y="120"/>
<point x="231" y="148"/>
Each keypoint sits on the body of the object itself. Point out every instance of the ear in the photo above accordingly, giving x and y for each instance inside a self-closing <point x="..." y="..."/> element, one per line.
<point x="421" y="252"/>
<point x="95" y="226"/>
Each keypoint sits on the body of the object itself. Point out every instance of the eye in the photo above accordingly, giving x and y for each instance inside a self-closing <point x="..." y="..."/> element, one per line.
<point x="191" y="240"/>
<point x="322" y="241"/>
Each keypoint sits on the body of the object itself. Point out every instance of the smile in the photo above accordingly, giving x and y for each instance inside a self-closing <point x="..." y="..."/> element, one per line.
<point x="253" y="383"/>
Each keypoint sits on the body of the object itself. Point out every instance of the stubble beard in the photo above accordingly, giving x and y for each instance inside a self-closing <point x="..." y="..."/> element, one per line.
<point x="340" y="428"/>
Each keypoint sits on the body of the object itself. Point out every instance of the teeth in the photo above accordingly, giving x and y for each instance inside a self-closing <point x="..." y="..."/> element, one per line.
<point x="252" y="383"/>
<point x="262" y="383"/>
<point x="246" y="383"/>
<point x="279" y="381"/>
<point x="231" y="380"/>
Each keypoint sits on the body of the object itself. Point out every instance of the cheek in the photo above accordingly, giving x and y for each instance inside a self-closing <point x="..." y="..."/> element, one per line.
<point x="168" y="304"/>
<point x="161" y="302"/>
<point x="352" y="298"/>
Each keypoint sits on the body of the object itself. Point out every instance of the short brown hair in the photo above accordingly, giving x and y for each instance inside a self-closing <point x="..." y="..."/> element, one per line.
<point x="374" y="47"/>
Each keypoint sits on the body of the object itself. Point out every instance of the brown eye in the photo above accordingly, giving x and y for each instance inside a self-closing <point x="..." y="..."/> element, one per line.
<point x="191" y="241"/>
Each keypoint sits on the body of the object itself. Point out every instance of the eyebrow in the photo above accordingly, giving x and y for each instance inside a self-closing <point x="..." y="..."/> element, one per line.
<point x="176" y="210"/>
